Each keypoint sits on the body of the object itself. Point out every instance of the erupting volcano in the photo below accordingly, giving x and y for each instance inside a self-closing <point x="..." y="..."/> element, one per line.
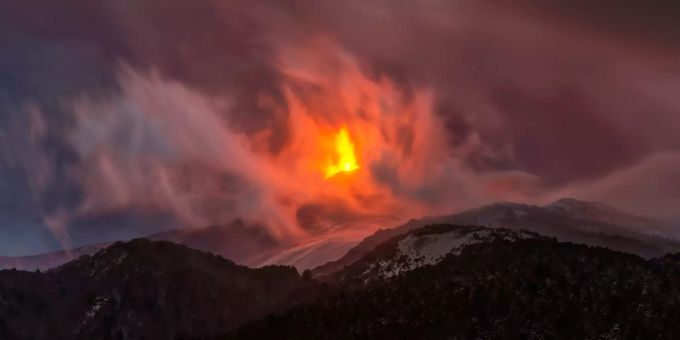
<point x="346" y="169"/>
<point x="344" y="160"/>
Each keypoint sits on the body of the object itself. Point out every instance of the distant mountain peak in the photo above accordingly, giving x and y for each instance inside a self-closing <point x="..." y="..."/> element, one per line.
<point x="572" y="205"/>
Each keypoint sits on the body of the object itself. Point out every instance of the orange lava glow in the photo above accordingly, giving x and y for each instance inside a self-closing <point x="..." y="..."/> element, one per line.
<point x="345" y="159"/>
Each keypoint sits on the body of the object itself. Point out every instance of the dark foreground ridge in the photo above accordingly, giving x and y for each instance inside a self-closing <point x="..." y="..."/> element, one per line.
<point x="143" y="290"/>
<point x="523" y="288"/>
<point x="437" y="282"/>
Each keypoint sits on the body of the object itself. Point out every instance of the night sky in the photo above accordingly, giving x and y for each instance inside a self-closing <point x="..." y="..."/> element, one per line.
<point x="120" y="118"/>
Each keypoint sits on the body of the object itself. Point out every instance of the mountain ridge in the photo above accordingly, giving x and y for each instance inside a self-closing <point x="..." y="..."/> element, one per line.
<point x="568" y="220"/>
<point x="524" y="288"/>
<point x="437" y="281"/>
<point x="144" y="289"/>
<point x="249" y="245"/>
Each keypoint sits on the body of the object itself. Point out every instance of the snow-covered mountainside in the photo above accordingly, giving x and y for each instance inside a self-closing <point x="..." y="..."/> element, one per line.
<point x="571" y="220"/>
<point x="244" y="244"/>
<point x="426" y="246"/>
<point x="568" y="220"/>
<point x="310" y="254"/>
<point x="597" y="211"/>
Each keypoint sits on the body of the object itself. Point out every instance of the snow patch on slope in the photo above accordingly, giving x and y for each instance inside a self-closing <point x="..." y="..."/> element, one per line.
<point x="417" y="250"/>
<point x="430" y="249"/>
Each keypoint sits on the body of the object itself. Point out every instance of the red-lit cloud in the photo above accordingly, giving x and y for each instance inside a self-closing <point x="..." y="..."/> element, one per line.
<point x="202" y="112"/>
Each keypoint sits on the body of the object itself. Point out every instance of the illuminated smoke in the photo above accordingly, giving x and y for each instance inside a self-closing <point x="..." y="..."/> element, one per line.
<point x="163" y="147"/>
<point x="214" y="110"/>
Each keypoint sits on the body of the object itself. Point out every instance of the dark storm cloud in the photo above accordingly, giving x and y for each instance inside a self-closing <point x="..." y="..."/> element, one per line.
<point x="54" y="53"/>
<point x="212" y="45"/>
<point x="562" y="93"/>
<point x="649" y="24"/>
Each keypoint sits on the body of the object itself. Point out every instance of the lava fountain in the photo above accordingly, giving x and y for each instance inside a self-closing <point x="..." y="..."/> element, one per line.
<point x="344" y="160"/>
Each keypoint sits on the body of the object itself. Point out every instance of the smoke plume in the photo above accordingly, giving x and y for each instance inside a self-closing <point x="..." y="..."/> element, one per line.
<point x="157" y="114"/>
